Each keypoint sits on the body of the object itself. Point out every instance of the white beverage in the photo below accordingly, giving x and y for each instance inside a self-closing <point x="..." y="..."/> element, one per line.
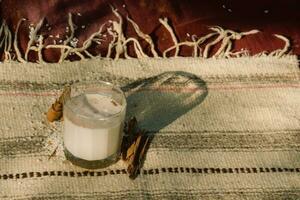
<point x="93" y="124"/>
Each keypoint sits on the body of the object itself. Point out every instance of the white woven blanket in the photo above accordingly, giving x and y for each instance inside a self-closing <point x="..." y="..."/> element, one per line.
<point x="224" y="129"/>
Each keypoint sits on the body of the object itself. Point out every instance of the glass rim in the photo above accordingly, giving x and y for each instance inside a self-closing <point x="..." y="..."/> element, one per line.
<point x="113" y="86"/>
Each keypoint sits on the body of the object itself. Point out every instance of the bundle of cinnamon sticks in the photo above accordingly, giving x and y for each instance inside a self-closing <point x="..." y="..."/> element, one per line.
<point x="134" y="146"/>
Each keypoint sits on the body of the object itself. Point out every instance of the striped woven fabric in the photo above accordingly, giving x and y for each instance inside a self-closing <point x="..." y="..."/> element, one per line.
<point x="223" y="129"/>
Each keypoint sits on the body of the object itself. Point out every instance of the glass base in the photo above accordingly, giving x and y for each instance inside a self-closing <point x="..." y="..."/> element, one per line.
<point x="94" y="164"/>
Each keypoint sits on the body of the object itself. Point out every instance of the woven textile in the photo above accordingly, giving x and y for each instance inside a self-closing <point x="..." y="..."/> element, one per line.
<point x="223" y="129"/>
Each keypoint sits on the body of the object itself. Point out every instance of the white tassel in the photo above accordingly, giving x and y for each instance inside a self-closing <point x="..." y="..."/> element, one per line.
<point x="119" y="43"/>
<point x="280" y="52"/>
<point x="144" y="36"/>
<point x="7" y="43"/>
<point x="164" y="22"/>
<point x="18" y="53"/>
<point x="65" y="52"/>
<point x="33" y="37"/>
<point x="117" y="27"/>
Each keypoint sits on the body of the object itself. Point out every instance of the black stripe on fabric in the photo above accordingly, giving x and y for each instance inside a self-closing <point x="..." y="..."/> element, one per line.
<point x="105" y="76"/>
<point x="227" y="140"/>
<point x="162" y="170"/>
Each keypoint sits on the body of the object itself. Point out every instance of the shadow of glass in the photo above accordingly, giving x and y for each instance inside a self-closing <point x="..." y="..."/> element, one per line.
<point x="159" y="100"/>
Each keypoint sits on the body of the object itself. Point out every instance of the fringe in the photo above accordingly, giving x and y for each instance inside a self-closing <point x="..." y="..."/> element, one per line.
<point x="5" y="41"/>
<point x="119" y="43"/>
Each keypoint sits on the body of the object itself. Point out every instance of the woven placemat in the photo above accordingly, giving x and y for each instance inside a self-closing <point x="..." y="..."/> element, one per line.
<point x="223" y="129"/>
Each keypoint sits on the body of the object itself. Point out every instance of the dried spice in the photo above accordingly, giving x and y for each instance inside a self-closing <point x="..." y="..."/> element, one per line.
<point x="53" y="153"/>
<point x="130" y="130"/>
<point x="113" y="102"/>
<point x="136" y="154"/>
<point x="134" y="145"/>
<point x="55" y="112"/>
